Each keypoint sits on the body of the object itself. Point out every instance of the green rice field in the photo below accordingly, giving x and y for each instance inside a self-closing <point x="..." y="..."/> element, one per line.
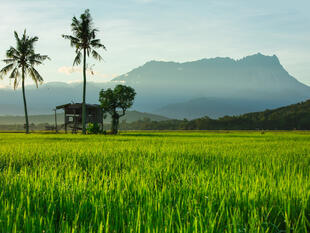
<point x="155" y="182"/>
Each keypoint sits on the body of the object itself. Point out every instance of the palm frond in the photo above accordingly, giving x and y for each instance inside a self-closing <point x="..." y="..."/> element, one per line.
<point x="35" y="62"/>
<point x="16" y="82"/>
<point x="15" y="73"/>
<point x="96" y="55"/>
<point x="13" y="53"/>
<point x="32" y="40"/>
<point x="9" y="60"/>
<point x="97" y="44"/>
<point x="6" y="69"/>
<point x="16" y="76"/>
<point x="37" y="59"/>
<point x="77" y="59"/>
<point x="36" y="77"/>
<point x="75" y="25"/>
<point x="33" y="78"/>
<point x="93" y="33"/>
<point x="25" y="37"/>
<point x="16" y="36"/>
<point x="73" y="40"/>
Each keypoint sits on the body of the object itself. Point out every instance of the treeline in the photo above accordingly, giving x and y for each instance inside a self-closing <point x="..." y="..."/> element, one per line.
<point x="21" y="127"/>
<point x="292" y="117"/>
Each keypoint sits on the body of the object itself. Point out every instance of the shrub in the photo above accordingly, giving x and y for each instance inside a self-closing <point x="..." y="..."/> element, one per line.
<point x="93" y="128"/>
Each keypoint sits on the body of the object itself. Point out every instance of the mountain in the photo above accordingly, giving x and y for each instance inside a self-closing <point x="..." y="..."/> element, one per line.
<point x="215" y="107"/>
<point x="213" y="87"/>
<point x="130" y="116"/>
<point x="217" y="77"/>
<point x="296" y="116"/>
<point x="210" y="86"/>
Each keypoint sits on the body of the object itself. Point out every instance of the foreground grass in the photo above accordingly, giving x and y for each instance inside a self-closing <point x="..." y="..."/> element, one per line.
<point x="155" y="182"/>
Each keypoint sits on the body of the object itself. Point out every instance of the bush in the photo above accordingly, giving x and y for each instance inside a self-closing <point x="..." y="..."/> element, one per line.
<point x="93" y="128"/>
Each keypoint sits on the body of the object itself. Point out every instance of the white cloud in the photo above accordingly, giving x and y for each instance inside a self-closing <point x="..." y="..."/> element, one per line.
<point x="69" y="70"/>
<point x="3" y="86"/>
<point x="72" y="69"/>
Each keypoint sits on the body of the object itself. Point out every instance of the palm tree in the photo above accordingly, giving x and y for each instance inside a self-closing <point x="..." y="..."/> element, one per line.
<point x="84" y="41"/>
<point x="21" y="61"/>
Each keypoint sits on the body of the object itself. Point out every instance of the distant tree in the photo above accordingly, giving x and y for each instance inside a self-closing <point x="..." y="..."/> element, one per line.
<point x="116" y="102"/>
<point x="84" y="41"/>
<point x="21" y="61"/>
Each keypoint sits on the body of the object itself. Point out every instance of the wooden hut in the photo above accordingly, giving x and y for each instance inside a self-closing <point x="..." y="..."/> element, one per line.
<point x="73" y="115"/>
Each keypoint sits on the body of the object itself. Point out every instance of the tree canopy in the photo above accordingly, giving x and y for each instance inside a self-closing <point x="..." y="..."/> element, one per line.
<point x="23" y="58"/>
<point x="116" y="102"/>
<point x="84" y="37"/>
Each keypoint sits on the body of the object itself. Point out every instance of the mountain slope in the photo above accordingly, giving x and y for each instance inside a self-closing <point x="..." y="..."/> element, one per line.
<point x="217" y="77"/>
<point x="296" y="116"/>
<point x="215" y="107"/>
<point x="214" y="87"/>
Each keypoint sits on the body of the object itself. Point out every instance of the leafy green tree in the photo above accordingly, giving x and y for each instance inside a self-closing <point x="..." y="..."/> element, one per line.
<point x="20" y="62"/>
<point x="116" y="102"/>
<point x="85" y="42"/>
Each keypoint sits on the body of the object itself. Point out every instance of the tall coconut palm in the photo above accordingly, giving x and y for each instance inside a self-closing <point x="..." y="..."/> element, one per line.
<point x="20" y="62"/>
<point x="85" y="42"/>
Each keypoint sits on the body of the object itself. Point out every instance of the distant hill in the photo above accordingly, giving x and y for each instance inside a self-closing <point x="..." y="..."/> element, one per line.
<point x="214" y="107"/>
<point x="296" y="116"/>
<point x="215" y="87"/>
<point x="39" y="119"/>
<point x="217" y="77"/>
<point x="44" y="99"/>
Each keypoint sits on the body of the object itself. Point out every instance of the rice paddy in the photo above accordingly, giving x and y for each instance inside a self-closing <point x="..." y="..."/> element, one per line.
<point x="155" y="182"/>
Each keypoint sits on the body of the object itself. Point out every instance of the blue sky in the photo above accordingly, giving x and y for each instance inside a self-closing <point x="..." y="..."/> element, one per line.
<point x="136" y="31"/>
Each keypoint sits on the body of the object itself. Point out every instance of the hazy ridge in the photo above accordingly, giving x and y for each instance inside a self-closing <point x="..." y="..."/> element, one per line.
<point x="130" y="116"/>
<point x="213" y="87"/>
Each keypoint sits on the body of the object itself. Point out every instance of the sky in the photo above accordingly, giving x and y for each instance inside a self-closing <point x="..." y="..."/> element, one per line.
<point x="137" y="31"/>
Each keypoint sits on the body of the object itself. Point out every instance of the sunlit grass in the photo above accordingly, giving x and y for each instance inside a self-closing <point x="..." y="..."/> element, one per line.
<point x="155" y="182"/>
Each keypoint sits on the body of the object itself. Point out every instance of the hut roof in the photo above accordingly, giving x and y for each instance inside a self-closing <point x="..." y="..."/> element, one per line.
<point x="77" y="106"/>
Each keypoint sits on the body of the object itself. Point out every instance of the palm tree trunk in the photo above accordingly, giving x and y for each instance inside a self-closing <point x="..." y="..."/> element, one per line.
<point x="25" y="103"/>
<point x="84" y="95"/>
